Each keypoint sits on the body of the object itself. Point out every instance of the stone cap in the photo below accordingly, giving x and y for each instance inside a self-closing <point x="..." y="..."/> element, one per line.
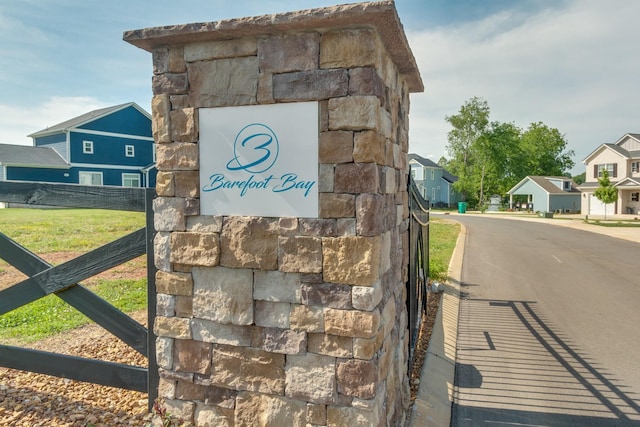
<point x="381" y="16"/>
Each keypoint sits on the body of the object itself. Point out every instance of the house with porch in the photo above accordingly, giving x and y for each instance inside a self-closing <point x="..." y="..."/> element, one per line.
<point x="621" y="160"/>
<point x="545" y="194"/>
<point x="434" y="182"/>
<point x="109" y="146"/>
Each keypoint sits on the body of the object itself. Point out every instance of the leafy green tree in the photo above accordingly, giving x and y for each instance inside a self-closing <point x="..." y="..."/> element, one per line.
<point x="468" y="125"/>
<point x="580" y="179"/>
<point x="546" y="151"/>
<point x="606" y="192"/>
<point x="443" y="163"/>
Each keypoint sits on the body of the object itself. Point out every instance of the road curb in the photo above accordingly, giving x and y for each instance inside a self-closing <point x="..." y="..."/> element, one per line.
<point x="432" y="407"/>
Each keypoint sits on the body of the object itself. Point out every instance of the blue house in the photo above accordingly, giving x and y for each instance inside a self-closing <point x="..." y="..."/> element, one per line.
<point x="434" y="182"/>
<point x="109" y="146"/>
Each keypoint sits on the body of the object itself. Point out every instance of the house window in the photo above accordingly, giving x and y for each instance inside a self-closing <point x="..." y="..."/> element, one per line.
<point x="611" y="168"/>
<point x="130" y="180"/>
<point x="90" y="178"/>
<point x="87" y="147"/>
<point x="433" y="174"/>
<point x="129" y="150"/>
<point x="635" y="197"/>
<point x="433" y="193"/>
<point x="567" y="185"/>
<point x="635" y="167"/>
<point x="413" y="173"/>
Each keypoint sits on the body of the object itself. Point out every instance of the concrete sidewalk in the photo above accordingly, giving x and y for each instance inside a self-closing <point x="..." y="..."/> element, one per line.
<point x="432" y="407"/>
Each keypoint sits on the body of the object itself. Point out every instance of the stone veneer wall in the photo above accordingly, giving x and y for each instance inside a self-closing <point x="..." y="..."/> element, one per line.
<point x="285" y="321"/>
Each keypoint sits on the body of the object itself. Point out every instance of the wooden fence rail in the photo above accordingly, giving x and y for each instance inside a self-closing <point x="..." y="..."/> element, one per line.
<point x="64" y="281"/>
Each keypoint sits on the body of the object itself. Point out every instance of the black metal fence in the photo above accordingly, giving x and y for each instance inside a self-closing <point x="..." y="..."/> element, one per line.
<point x="418" y="264"/>
<point x="63" y="281"/>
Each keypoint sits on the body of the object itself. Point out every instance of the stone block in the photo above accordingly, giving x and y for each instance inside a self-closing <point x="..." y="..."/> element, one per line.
<point x="318" y="227"/>
<point x="172" y="327"/>
<point x="276" y="286"/>
<point x="354" y="113"/>
<point x="305" y="318"/>
<point x="160" y="107"/>
<point x="349" y="49"/>
<point x="187" y="184"/>
<point x="184" y="306"/>
<point x="245" y="368"/>
<point x="223" y="82"/>
<point x="325" y="178"/>
<point x="311" y="378"/>
<point x="292" y="52"/>
<point x="370" y="214"/>
<point x="202" y="249"/>
<point x="356" y="178"/>
<point x="367" y="348"/>
<point x="165" y="186"/>
<point x="177" y="156"/>
<point x="191" y="356"/>
<point x="310" y="85"/>
<point x="330" y="345"/>
<point x="174" y="283"/>
<point x="346" y="226"/>
<point x="164" y="352"/>
<point x="166" y="389"/>
<point x="366" y="298"/>
<point x="259" y="410"/>
<point x="223" y="295"/>
<point x="204" y="224"/>
<point x="366" y="81"/>
<point x="184" y="125"/>
<point x="170" y="84"/>
<point x="327" y="295"/>
<point x="162" y="251"/>
<point x="335" y="147"/>
<point x="165" y="305"/>
<point x="285" y="341"/>
<point x="300" y="254"/>
<point x="181" y="410"/>
<point x="339" y="416"/>
<point x="218" y="333"/>
<point x="351" y="260"/>
<point x="288" y="226"/>
<point x="264" y="94"/>
<point x="357" y="378"/>
<point x="351" y="323"/>
<point x="219" y="396"/>
<point x="316" y="414"/>
<point x="220" y="49"/>
<point x="388" y="182"/>
<point x="168" y="214"/>
<point x="369" y="147"/>
<point x="189" y="391"/>
<point x="334" y="205"/>
<point x="214" y="416"/>
<point x="249" y="242"/>
<point x="272" y="314"/>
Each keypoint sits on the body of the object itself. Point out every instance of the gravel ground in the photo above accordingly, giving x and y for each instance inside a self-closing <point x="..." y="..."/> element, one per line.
<point x="34" y="400"/>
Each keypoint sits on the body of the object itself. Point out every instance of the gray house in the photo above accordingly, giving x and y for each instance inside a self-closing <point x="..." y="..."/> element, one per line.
<point x="547" y="194"/>
<point x="434" y="182"/>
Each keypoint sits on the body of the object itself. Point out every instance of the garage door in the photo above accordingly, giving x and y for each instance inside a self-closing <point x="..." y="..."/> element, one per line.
<point x="596" y="207"/>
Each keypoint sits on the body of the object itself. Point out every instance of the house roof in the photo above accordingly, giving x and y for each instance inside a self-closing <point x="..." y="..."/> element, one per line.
<point x="23" y="155"/>
<point x="545" y="183"/>
<point x="424" y="162"/>
<point x="449" y="177"/>
<point x="84" y="118"/>
<point x="616" y="147"/>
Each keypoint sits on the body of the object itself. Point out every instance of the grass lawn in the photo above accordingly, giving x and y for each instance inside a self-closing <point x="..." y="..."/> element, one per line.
<point x="74" y="231"/>
<point x="442" y="241"/>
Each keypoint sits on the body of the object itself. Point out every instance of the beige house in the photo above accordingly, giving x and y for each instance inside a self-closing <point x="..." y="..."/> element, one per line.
<point x="622" y="161"/>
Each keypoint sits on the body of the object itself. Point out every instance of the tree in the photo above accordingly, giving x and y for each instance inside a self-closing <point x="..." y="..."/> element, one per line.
<point x="606" y="192"/>
<point x="468" y="125"/>
<point x="545" y="150"/>
<point x="580" y="179"/>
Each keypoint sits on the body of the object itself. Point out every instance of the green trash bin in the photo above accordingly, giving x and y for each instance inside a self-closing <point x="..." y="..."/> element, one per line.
<point x="462" y="207"/>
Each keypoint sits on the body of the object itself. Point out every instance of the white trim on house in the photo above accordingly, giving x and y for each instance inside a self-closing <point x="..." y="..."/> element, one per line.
<point x="100" y="166"/>
<point x="102" y="133"/>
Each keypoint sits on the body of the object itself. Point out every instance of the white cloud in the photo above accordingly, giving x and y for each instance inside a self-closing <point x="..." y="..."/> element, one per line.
<point x="573" y="68"/>
<point x="18" y="122"/>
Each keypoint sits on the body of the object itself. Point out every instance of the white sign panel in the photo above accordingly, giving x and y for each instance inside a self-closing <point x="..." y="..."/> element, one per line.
<point x="259" y="160"/>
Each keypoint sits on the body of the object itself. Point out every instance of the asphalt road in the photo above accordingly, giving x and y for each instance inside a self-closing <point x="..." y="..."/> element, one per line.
<point x="549" y="329"/>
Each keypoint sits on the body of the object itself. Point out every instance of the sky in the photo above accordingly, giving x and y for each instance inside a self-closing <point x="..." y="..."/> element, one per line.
<point x="571" y="64"/>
